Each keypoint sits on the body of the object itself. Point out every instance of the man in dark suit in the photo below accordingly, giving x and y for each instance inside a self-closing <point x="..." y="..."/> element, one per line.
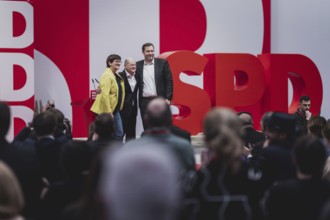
<point x="251" y="136"/>
<point x="129" y="111"/>
<point x="48" y="148"/>
<point x="155" y="78"/>
<point x="158" y="118"/>
<point x="275" y="161"/>
<point x="291" y="199"/>
<point x="24" y="163"/>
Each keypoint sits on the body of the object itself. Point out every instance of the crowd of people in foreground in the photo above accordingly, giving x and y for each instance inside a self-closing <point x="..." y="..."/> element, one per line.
<point x="281" y="172"/>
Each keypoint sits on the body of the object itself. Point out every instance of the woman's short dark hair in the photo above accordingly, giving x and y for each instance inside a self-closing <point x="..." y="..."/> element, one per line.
<point x="111" y="58"/>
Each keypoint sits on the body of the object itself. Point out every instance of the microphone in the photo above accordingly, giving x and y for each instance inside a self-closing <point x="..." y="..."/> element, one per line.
<point x="93" y="84"/>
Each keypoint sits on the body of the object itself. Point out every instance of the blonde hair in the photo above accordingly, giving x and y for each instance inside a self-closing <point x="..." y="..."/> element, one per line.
<point x="218" y="117"/>
<point x="11" y="197"/>
<point x="227" y="148"/>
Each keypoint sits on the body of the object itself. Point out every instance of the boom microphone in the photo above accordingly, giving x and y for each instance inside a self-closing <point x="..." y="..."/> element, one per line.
<point x="93" y="84"/>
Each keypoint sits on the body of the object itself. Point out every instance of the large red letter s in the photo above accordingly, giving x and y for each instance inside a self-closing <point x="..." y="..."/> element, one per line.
<point x="193" y="103"/>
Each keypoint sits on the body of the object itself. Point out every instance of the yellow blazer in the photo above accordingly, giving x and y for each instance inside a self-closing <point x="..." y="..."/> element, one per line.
<point x="122" y="85"/>
<point x="107" y="100"/>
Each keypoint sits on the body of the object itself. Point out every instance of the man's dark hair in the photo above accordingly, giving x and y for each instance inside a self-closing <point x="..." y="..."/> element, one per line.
<point x="316" y="124"/>
<point x="59" y="119"/>
<point x="304" y="98"/>
<point x="265" y="120"/>
<point x="63" y="125"/>
<point x="59" y="116"/>
<point x="4" y="119"/>
<point x="111" y="58"/>
<point x="44" y="123"/>
<point x="147" y="45"/>
<point x="158" y="115"/>
<point x="104" y="125"/>
<point x="310" y="156"/>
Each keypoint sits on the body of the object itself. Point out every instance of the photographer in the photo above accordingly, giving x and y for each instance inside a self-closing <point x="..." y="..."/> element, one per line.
<point x="62" y="129"/>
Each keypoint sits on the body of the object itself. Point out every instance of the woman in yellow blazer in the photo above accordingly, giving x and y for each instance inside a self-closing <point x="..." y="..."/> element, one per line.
<point x="107" y="101"/>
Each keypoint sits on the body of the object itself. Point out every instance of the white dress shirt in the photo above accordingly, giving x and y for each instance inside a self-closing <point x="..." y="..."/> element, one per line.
<point x="131" y="80"/>
<point x="149" y="84"/>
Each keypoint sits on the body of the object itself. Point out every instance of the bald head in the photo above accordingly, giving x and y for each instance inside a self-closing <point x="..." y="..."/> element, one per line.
<point x="130" y="65"/>
<point x="143" y="178"/>
<point x="246" y="119"/>
<point x="158" y="113"/>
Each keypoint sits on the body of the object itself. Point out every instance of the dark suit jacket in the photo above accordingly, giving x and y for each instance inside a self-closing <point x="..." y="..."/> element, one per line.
<point x="252" y="136"/>
<point x="180" y="132"/>
<point x="301" y="122"/>
<point x="48" y="152"/>
<point x="24" y="163"/>
<point x="276" y="164"/>
<point x="130" y="102"/>
<point x="163" y="78"/>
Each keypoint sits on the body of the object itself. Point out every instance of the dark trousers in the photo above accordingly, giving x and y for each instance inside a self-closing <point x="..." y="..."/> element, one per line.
<point x="129" y="124"/>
